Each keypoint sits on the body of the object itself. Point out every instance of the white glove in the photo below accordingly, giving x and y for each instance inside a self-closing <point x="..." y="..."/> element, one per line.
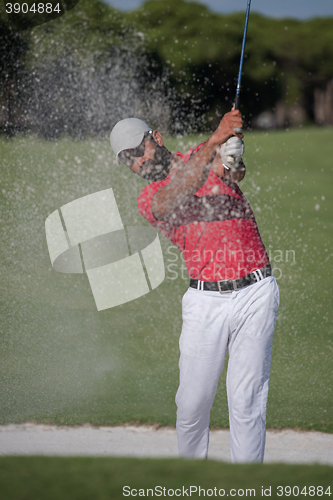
<point x="231" y="153"/>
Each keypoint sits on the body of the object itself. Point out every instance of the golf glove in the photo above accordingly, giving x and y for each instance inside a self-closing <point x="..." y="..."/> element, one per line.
<point x="231" y="153"/>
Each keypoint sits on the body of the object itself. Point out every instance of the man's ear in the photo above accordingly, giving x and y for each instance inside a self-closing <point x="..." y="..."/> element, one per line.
<point x="157" y="138"/>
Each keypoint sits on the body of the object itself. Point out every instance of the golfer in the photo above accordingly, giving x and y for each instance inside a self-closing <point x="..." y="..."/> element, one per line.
<point x="232" y="299"/>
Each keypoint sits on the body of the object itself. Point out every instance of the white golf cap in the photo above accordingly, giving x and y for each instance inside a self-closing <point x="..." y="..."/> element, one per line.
<point x="127" y="134"/>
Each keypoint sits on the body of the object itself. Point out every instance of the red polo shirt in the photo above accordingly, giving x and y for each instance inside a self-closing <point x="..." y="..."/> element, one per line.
<point x="215" y="230"/>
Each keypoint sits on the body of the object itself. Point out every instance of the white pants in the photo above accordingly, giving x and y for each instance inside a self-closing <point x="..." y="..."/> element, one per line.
<point x="241" y="322"/>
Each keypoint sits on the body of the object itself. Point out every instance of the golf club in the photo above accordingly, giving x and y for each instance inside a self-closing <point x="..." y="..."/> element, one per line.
<point x="236" y="104"/>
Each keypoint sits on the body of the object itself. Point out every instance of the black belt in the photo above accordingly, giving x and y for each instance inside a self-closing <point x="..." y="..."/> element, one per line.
<point x="230" y="285"/>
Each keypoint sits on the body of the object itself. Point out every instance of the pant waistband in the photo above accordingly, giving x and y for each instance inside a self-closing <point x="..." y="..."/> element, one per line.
<point x="224" y="286"/>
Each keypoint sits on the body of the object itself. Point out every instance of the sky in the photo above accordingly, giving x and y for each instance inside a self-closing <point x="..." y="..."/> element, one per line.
<point x="298" y="9"/>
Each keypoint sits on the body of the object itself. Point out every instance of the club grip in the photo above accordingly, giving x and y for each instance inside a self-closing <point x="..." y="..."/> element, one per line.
<point x="236" y="105"/>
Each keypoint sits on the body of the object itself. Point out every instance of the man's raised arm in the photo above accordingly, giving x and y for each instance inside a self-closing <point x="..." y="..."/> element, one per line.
<point x="189" y="178"/>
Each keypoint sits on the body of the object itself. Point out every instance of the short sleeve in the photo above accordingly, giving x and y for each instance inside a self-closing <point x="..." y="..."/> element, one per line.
<point x="145" y="199"/>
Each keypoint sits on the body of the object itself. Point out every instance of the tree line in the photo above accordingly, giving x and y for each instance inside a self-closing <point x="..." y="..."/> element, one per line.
<point x="172" y="62"/>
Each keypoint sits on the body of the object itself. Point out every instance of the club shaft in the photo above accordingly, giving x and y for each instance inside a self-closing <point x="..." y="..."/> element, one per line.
<point x="242" y="56"/>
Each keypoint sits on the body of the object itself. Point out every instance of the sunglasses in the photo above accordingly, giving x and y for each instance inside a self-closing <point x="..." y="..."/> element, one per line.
<point x="127" y="156"/>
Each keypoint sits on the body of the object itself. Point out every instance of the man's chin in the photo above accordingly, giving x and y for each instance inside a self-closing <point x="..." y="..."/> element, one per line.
<point x="154" y="174"/>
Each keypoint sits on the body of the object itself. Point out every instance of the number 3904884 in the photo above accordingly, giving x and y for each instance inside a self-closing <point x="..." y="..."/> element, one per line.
<point x="311" y="491"/>
<point x="36" y="8"/>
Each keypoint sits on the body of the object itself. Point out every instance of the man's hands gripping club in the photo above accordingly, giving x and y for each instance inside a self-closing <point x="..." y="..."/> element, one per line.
<point x="231" y="148"/>
<point x="228" y="163"/>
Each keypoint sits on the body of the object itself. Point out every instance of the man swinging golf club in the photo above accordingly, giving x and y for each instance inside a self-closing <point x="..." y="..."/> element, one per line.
<point x="232" y="299"/>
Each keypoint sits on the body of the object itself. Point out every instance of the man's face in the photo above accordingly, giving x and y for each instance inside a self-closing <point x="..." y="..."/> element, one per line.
<point x="149" y="160"/>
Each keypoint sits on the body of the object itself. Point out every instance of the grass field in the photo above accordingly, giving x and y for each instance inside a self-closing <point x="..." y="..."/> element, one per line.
<point x="63" y="362"/>
<point x="41" y="478"/>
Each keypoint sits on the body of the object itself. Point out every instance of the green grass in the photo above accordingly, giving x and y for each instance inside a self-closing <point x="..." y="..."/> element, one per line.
<point x="40" y="478"/>
<point x="63" y="362"/>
